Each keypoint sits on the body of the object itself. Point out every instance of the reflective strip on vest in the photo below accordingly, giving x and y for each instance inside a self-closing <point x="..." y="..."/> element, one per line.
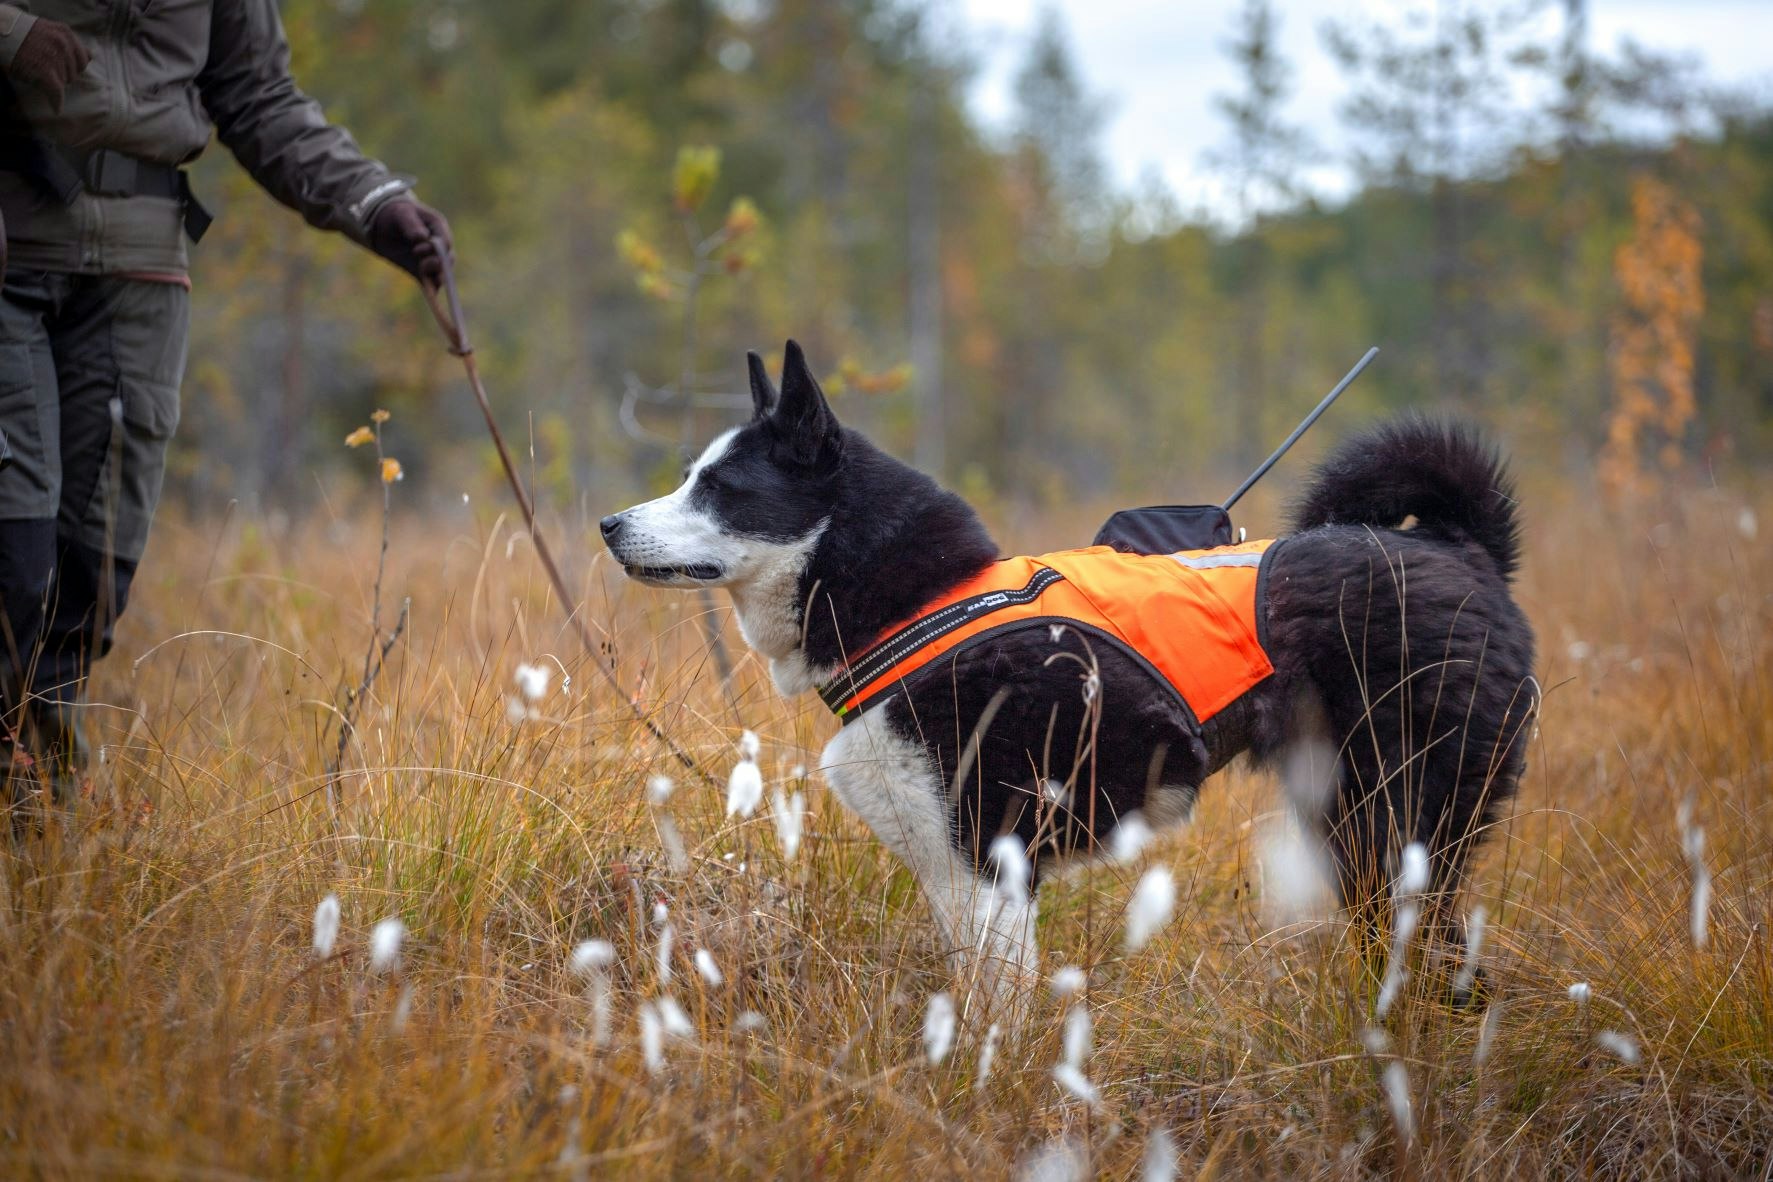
<point x="1194" y="617"/>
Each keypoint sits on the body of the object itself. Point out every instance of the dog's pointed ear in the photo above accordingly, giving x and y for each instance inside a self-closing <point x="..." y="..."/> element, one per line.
<point x="763" y="391"/>
<point x="802" y="420"/>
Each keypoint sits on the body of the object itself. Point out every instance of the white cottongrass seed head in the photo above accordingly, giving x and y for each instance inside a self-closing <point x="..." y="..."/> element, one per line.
<point x="1010" y="856"/>
<point x="532" y="680"/>
<point x="1622" y="1046"/>
<point x="1128" y="839"/>
<point x="1056" y="1161"/>
<point x="1159" y="1162"/>
<point x="384" y="944"/>
<point x="667" y="936"/>
<point x="1487" y="1034"/>
<point x="1466" y="977"/>
<point x="744" y="788"/>
<point x="1153" y="905"/>
<point x="987" y="1054"/>
<point x="326" y="926"/>
<point x="708" y="969"/>
<point x="659" y="789"/>
<point x="652" y="1039"/>
<point x="593" y="956"/>
<point x="673" y="1019"/>
<point x="1412" y="878"/>
<point x="788" y="810"/>
<point x="1693" y="845"/>
<point x="1403" y="930"/>
<point x="676" y="856"/>
<point x="1580" y="992"/>
<point x="1394" y="1080"/>
<point x="1076" y="1084"/>
<point x="938" y="1028"/>
<point x="1069" y="980"/>
<point x="1078" y="1035"/>
<point x="750" y="747"/>
<point x="1295" y="877"/>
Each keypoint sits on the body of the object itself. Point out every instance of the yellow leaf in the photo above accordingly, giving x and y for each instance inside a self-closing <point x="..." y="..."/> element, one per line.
<point x="638" y="252"/>
<point x="693" y="179"/>
<point x="741" y="217"/>
<point x="360" y="437"/>
<point x="391" y="470"/>
<point x="379" y="416"/>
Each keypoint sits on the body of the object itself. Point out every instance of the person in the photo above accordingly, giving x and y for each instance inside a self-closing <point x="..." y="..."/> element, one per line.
<point x="102" y="104"/>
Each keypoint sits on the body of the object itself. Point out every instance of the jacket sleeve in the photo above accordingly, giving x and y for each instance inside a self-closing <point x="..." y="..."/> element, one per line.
<point x="281" y="135"/>
<point x="15" y="26"/>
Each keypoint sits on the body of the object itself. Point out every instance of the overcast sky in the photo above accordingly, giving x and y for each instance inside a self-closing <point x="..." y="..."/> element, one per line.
<point x="1159" y="62"/>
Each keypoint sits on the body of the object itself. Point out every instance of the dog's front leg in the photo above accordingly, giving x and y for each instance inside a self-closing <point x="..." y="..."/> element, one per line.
<point x="890" y="782"/>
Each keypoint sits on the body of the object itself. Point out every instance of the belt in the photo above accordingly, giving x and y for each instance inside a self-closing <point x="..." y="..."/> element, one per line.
<point x="103" y="172"/>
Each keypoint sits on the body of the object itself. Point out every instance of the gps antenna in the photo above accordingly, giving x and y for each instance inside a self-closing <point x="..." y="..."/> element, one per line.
<point x="1301" y="429"/>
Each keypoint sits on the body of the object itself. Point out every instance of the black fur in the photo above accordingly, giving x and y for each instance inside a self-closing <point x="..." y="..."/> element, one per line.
<point x="1401" y="647"/>
<point x="1442" y="473"/>
<point x="1404" y="644"/>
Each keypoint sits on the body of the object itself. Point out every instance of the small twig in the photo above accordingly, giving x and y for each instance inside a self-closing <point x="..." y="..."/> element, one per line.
<point x="372" y="660"/>
<point x="347" y="725"/>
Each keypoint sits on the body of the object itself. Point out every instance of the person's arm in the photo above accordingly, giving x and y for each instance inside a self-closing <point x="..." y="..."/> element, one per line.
<point x="15" y="26"/>
<point x="282" y="138"/>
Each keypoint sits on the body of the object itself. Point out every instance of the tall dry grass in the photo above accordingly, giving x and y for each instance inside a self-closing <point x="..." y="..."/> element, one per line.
<point x="163" y="1013"/>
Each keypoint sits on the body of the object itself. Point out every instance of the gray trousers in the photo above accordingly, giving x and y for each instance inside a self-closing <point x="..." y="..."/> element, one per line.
<point x="90" y="367"/>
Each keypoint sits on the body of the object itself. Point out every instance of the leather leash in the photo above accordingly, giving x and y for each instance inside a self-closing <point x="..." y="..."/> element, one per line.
<point x="455" y="332"/>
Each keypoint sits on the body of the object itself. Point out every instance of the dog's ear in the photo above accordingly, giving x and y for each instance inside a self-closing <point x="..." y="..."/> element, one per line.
<point x="802" y="420"/>
<point x="763" y="391"/>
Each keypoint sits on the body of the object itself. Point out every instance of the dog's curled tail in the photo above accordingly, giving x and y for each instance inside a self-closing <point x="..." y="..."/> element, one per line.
<point x="1445" y="474"/>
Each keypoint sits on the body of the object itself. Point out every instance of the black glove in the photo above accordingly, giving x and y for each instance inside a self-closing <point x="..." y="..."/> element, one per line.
<point x="49" y="58"/>
<point x="402" y="230"/>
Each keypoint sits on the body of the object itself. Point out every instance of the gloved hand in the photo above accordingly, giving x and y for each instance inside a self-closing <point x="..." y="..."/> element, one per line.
<point x="401" y="232"/>
<point x="49" y="58"/>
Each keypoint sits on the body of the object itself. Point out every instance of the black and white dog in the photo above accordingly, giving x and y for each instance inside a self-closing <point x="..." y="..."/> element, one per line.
<point x="1388" y="621"/>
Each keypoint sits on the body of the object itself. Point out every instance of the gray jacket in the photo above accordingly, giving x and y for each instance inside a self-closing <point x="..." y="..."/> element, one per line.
<point x="164" y="73"/>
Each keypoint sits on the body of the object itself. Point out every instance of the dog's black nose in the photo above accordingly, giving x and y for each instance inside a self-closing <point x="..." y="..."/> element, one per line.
<point x="611" y="525"/>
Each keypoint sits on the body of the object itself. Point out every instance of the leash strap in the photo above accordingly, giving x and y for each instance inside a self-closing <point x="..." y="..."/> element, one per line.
<point x="455" y="331"/>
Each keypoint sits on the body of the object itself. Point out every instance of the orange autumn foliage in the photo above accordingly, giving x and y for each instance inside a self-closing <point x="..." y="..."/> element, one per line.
<point x="1654" y="334"/>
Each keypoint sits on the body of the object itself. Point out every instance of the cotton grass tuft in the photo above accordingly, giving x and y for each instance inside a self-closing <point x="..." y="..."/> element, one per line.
<point x="326" y="926"/>
<point x="938" y="1028"/>
<point x="1152" y="907"/>
<point x="1068" y="981"/>
<point x="788" y="810"/>
<point x="709" y="971"/>
<point x="1622" y="1046"/>
<point x="1159" y="1162"/>
<point x="384" y="945"/>
<point x="744" y="786"/>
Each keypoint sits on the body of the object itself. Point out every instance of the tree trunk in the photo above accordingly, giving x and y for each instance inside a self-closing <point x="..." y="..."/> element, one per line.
<point x="924" y="252"/>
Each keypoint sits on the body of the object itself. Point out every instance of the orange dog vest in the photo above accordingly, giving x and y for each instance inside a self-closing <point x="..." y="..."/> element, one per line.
<point x="1195" y="618"/>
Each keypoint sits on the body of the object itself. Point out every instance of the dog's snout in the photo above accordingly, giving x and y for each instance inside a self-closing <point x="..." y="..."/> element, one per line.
<point x="611" y="526"/>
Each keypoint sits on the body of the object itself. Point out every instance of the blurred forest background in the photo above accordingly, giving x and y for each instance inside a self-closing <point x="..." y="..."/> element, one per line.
<point x="1573" y="245"/>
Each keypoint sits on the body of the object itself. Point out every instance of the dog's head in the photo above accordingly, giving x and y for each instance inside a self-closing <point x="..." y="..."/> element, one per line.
<point x="759" y="495"/>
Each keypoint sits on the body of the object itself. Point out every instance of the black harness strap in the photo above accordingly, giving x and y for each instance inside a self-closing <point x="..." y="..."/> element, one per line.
<point x="879" y="659"/>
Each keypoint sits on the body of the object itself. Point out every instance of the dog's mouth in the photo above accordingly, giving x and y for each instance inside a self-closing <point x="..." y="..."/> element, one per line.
<point x="694" y="572"/>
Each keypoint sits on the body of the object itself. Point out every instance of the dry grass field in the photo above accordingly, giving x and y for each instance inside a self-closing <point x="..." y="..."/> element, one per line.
<point x="163" y="1012"/>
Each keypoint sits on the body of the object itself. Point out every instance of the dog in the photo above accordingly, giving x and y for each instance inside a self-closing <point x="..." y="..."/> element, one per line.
<point x="1382" y="625"/>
